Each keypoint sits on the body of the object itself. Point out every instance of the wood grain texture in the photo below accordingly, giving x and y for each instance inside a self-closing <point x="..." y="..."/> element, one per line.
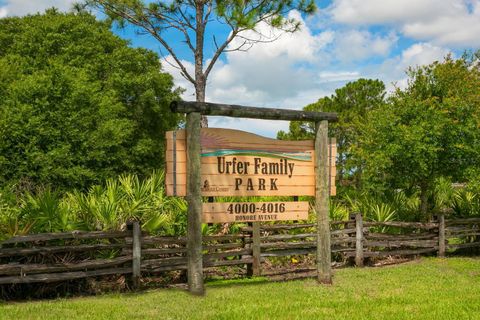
<point x="441" y="235"/>
<point x="324" y="254"/>
<point x="67" y="235"/>
<point x="63" y="276"/>
<point x="11" y="252"/>
<point x="231" y="110"/>
<point x="359" y="240"/>
<point x="242" y="149"/>
<point x="27" y="269"/>
<point x="256" y="250"/>
<point x="194" y="200"/>
<point x="136" y="254"/>
<point x="218" y="212"/>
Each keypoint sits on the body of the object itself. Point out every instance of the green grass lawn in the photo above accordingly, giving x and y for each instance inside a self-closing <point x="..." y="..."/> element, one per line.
<point x="425" y="289"/>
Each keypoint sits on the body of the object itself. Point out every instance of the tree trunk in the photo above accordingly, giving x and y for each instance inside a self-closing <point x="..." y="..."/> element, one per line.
<point x="200" y="81"/>
<point x="200" y="97"/>
<point x="424" y="200"/>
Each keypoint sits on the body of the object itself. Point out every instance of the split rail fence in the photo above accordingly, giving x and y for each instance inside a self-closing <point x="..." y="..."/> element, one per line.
<point x="53" y="257"/>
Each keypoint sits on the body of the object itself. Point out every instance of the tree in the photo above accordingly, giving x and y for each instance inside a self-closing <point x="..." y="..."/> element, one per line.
<point x="188" y="20"/>
<point x="427" y="131"/>
<point x="352" y="103"/>
<point x="77" y="104"/>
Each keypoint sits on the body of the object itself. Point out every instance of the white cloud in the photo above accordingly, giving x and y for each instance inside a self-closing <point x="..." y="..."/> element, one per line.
<point x="301" y="45"/>
<point x="169" y="65"/>
<point x="445" y="22"/>
<point x="261" y="78"/>
<point x="24" y="7"/>
<point x="3" y="12"/>
<point x="393" y="70"/>
<point x="448" y="30"/>
<point x="387" y="11"/>
<point x="422" y="54"/>
<point x="336" y="76"/>
<point x="281" y="74"/>
<point x="354" y="45"/>
<point x="269" y="73"/>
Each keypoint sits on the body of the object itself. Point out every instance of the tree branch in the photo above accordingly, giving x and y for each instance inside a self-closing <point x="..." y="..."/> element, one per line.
<point x="147" y="25"/>
<point x="173" y="23"/>
<point x="219" y="51"/>
<point x="159" y="38"/>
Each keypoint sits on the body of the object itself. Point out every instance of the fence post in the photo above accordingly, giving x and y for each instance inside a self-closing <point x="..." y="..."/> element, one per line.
<point x="194" y="200"/>
<point x="441" y="235"/>
<point x="256" y="268"/>
<point x="358" y="239"/>
<point x="324" y="250"/>
<point x="249" y="245"/>
<point x="136" y="254"/>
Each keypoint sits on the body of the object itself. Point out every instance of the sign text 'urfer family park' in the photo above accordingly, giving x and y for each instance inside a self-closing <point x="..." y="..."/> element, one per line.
<point x="237" y="163"/>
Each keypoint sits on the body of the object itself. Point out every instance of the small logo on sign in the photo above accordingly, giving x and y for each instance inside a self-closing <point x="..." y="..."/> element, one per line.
<point x="208" y="188"/>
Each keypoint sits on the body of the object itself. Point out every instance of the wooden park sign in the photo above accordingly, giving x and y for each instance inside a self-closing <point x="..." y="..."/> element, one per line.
<point x="238" y="163"/>
<point x="220" y="162"/>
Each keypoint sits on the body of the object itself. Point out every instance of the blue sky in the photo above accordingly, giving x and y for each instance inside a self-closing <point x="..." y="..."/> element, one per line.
<point x="345" y="40"/>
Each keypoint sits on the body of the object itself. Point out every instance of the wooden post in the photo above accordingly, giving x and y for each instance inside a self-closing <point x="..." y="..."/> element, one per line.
<point x="194" y="200"/>
<point x="249" y="245"/>
<point x="359" y="240"/>
<point x="229" y="110"/>
<point x="136" y="254"/>
<point x="256" y="268"/>
<point x="324" y="255"/>
<point x="441" y="235"/>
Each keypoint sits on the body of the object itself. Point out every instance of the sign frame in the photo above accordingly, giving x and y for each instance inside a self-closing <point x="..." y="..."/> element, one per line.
<point x="194" y="111"/>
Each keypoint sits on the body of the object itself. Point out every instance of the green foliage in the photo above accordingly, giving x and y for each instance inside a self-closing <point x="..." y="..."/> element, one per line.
<point x="128" y="198"/>
<point x="443" y="194"/>
<point x="406" y="206"/>
<point x="466" y="203"/>
<point x="238" y="15"/>
<point x="405" y="151"/>
<point x="48" y="211"/>
<point x="372" y="208"/>
<point x="77" y="104"/>
<point x="13" y="221"/>
<point x="247" y="14"/>
<point x="466" y="199"/>
<point x="338" y="211"/>
<point x="427" y="131"/>
<point x="106" y="207"/>
<point x="352" y="103"/>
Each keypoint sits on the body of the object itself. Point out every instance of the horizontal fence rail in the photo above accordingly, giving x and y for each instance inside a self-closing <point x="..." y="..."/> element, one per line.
<point x="53" y="257"/>
<point x="462" y="233"/>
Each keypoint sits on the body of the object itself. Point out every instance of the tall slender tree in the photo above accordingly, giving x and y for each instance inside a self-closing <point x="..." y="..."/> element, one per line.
<point x="188" y="20"/>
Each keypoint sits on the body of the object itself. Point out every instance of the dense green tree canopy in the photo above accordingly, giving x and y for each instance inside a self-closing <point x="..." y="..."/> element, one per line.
<point x="77" y="104"/>
<point x="429" y="130"/>
<point x="425" y="133"/>
<point x="352" y="102"/>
